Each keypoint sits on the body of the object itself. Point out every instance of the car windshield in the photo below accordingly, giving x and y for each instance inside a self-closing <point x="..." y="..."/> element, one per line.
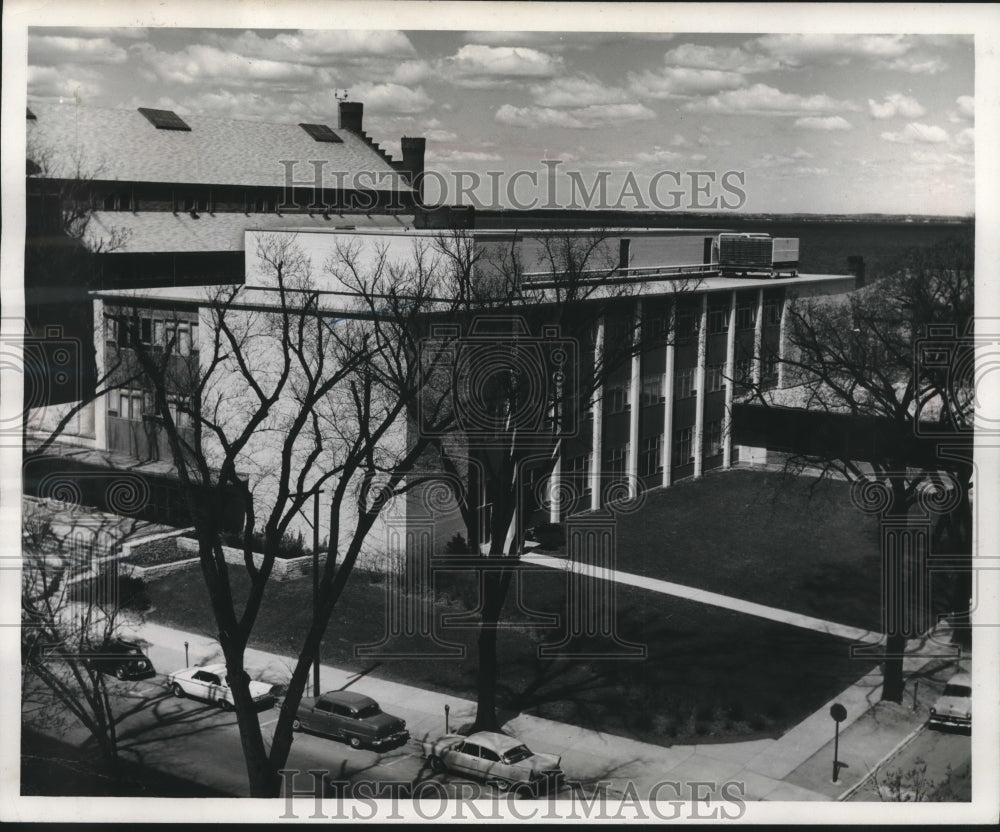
<point x="958" y="690"/>
<point x="369" y="710"/>
<point x="516" y="754"/>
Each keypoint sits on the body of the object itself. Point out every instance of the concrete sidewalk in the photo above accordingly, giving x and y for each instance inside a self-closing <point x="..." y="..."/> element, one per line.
<point x="794" y="767"/>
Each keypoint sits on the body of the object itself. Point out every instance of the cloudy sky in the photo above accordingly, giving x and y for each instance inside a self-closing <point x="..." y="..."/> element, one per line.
<point x="812" y="123"/>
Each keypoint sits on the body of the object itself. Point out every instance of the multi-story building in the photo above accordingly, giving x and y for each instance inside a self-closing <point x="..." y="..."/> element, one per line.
<point x="661" y="416"/>
<point x="145" y="199"/>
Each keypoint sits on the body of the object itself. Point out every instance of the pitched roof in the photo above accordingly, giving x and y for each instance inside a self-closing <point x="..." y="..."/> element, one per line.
<point x="162" y="231"/>
<point x="124" y="145"/>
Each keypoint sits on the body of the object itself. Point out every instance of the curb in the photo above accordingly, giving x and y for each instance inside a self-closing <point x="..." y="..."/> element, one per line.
<point x="899" y="747"/>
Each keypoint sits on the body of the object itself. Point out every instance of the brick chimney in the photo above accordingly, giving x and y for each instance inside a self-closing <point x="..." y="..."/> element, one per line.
<point x="351" y="115"/>
<point x="412" y="164"/>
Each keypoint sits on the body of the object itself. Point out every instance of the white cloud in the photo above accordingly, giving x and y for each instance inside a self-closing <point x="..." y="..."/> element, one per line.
<point x="322" y="47"/>
<point x="761" y="99"/>
<point x="730" y="59"/>
<point x="937" y="159"/>
<point x="201" y="63"/>
<point x="411" y="72"/>
<point x="966" y="105"/>
<point x="915" y="64"/>
<point x="437" y="135"/>
<point x="915" y="132"/>
<point x="966" y="137"/>
<point x="451" y="156"/>
<point x="896" y="105"/>
<point x="475" y="65"/>
<point x="583" y="118"/>
<point x="48" y="82"/>
<point x="658" y="154"/>
<point x="561" y="41"/>
<point x="826" y="123"/>
<point x="671" y="81"/>
<point x="57" y="51"/>
<point x="579" y="91"/>
<point x="797" y="50"/>
<point x="392" y="98"/>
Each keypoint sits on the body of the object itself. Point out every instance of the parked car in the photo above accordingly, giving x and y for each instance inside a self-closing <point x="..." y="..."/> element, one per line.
<point x="119" y="658"/>
<point x="954" y="706"/>
<point x="351" y="717"/>
<point x="497" y="759"/>
<point x="211" y="684"/>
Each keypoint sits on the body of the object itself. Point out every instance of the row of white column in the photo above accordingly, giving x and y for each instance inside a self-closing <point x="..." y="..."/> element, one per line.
<point x="635" y="393"/>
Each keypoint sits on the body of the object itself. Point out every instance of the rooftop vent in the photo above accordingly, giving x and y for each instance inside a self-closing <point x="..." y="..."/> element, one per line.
<point x="164" y="119"/>
<point x="31" y="115"/>
<point x="322" y="133"/>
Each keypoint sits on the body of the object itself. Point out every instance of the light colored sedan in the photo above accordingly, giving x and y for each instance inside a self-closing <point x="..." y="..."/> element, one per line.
<point x="954" y="707"/>
<point x="211" y="684"/>
<point x="497" y="759"/>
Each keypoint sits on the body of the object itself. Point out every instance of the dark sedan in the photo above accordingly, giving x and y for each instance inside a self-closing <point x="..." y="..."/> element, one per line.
<point x="352" y="718"/>
<point x="122" y="659"/>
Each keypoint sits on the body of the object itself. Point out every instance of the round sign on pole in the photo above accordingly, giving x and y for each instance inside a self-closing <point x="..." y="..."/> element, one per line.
<point x="838" y="712"/>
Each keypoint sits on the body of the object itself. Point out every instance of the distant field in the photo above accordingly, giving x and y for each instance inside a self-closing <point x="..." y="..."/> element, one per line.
<point x="824" y="243"/>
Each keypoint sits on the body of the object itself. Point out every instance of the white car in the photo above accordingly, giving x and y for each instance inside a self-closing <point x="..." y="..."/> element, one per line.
<point x="497" y="759"/>
<point x="954" y="706"/>
<point x="211" y="684"/>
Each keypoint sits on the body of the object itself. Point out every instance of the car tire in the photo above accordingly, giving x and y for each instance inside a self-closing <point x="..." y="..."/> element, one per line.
<point x="296" y="725"/>
<point x="437" y="765"/>
<point x="502" y="785"/>
<point x="120" y="674"/>
<point x="177" y="690"/>
<point x="355" y="742"/>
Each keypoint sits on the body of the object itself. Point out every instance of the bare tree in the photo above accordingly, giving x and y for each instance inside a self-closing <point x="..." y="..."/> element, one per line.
<point x="287" y="396"/>
<point x="898" y="354"/>
<point x="544" y="331"/>
<point x="71" y="609"/>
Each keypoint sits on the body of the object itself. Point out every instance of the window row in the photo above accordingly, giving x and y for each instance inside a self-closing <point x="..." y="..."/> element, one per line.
<point x="135" y="405"/>
<point x="180" y="336"/>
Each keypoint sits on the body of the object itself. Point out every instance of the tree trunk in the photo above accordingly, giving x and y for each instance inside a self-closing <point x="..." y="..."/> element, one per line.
<point x="486" y="686"/>
<point x="892" y="669"/>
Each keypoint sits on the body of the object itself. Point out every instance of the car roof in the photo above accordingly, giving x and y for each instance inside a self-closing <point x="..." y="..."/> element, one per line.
<point x="498" y="742"/>
<point x="349" y="698"/>
<point x="219" y="669"/>
<point x="961" y="679"/>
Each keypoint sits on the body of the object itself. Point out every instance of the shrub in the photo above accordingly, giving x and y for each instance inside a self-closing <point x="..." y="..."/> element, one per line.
<point x="550" y="535"/>
<point x="457" y="546"/>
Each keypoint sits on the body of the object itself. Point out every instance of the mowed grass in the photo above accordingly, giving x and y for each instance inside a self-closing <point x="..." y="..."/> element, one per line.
<point x="796" y="543"/>
<point x="709" y="675"/>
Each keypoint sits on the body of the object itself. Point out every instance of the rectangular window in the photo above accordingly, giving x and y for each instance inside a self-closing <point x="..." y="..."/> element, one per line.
<point x="616" y="398"/>
<point x="158" y="334"/>
<point x="614" y="461"/>
<point x="769" y="366"/>
<point x="651" y="457"/>
<point x="111" y="329"/>
<point x="715" y="377"/>
<point x="718" y="320"/>
<point x="687" y="325"/>
<point x="746" y="316"/>
<point x="652" y="389"/>
<point x="713" y="438"/>
<point x="146" y="330"/>
<point x="682" y="447"/>
<point x="578" y="473"/>
<point x="685" y="385"/>
<point x="744" y="370"/>
<point x="772" y="312"/>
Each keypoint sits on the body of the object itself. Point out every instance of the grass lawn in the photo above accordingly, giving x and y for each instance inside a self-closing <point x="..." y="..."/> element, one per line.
<point x="789" y="542"/>
<point x="710" y="675"/>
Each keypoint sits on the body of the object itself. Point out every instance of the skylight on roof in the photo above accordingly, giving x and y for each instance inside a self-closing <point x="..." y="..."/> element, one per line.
<point x="164" y="119"/>
<point x="322" y="133"/>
